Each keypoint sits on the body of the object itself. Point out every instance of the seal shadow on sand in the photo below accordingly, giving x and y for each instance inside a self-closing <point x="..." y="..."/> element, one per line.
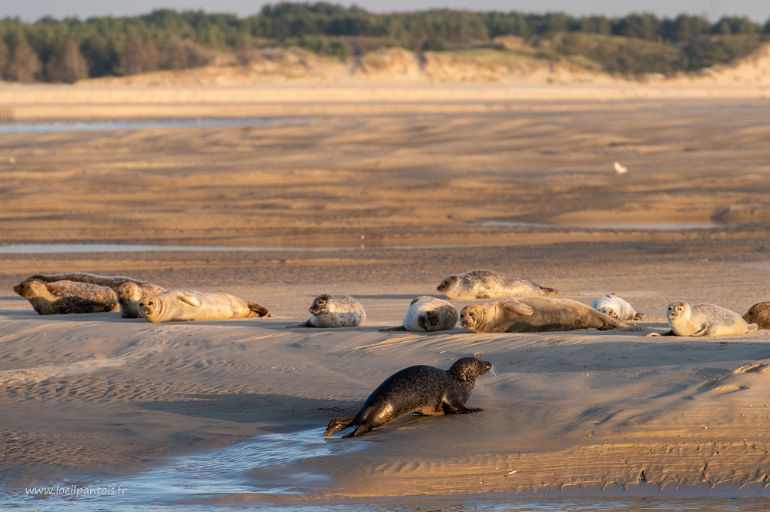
<point x="17" y="314"/>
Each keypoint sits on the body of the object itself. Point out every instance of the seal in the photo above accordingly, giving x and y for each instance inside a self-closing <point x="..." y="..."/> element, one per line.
<point x="64" y="297"/>
<point x="487" y="284"/>
<point x="424" y="390"/>
<point x="113" y="282"/>
<point x="616" y="307"/>
<point x="536" y="314"/>
<point x="336" y="311"/>
<point x="130" y="295"/>
<point x="191" y="305"/>
<point x="759" y="314"/>
<point x="704" y="320"/>
<point x="426" y="314"/>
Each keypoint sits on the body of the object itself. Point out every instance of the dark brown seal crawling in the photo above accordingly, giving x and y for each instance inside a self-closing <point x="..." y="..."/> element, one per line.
<point x="113" y="282"/>
<point x="418" y="389"/>
<point x="62" y="297"/>
<point x="759" y="314"/>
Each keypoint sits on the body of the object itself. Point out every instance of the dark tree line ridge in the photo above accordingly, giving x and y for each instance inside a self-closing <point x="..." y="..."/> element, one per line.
<point x="66" y="50"/>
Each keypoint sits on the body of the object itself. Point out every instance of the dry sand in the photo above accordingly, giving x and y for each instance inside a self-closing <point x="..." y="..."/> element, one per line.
<point x="526" y="192"/>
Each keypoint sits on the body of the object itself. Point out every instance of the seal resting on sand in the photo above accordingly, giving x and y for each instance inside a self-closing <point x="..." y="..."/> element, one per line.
<point x="424" y="390"/>
<point x="113" y="282"/>
<point x="704" y="320"/>
<point x="616" y="307"/>
<point x="426" y="314"/>
<point x="759" y="314"/>
<point x="191" y="305"/>
<point x="536" y="314"/>
<point x="487" y="284"/>
<point x="130" y="295"/>
<point x="63" y="297"/>
<point x="336" y="311"/>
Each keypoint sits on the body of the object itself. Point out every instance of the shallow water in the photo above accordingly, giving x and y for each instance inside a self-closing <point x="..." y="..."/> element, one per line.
<point x="257" y="466"/>
<point x="238" y="473"/>
<point x="81" y="126"/>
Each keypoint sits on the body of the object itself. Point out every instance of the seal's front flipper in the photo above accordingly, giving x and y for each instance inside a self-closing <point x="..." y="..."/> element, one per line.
<point x="518" y="307"/>
<point x="459" y="409"/>
<point x="190" y="299"/>
<point x="399" y="328"/>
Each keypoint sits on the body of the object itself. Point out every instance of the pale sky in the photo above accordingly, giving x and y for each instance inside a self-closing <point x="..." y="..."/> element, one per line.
<point x="30" y="10"/>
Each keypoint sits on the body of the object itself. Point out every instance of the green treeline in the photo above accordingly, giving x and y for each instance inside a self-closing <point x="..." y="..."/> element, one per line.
<point x="66" y="50"/>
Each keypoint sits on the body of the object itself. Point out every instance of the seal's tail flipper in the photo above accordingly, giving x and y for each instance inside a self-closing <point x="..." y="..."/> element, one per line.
<point x="548" y="291"/>
<point x="259" y="309"/>
<point x="337" y="424"/>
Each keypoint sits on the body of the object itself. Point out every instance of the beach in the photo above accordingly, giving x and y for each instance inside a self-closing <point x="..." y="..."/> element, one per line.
<point x="381" y="200"/>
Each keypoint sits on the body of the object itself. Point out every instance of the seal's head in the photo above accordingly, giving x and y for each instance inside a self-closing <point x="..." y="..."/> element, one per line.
<point x="448" y="283"/>
<point x="320" y="304"/>
<point x="468" y="369"/>
<point x="472" y="316"/>
<point x="129" y="292"/>
<point x="609" y="312"/>
<point x="30" y="288"/>
<point x="758" y="314"/>
<point x="428" y="320"/>
<point x="677" y="309"/>
<point x="151" y="308"/>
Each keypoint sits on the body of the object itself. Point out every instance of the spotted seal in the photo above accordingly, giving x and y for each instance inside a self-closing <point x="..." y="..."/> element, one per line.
<point x="191" y="305"/>
<point x="487" y="284"/>
<point x="424" y="390"/>
<point x="536" y="314"/>
<point x="336" y="311"/>
<point x="63" y="297"/>
<point x="704" y="320"/>
<point x="759" y="314"/>
<point x="616" y="307"/>
<point x="426" y="314"/>
<point x="113" y="282"/>
<point x="130" y="295"/>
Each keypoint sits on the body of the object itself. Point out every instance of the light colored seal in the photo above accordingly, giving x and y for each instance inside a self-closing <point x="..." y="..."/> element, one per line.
<point x="63" y="297"/>
<point x="759" y="314"/>
<point x="113" y="282"/>
<point x="336" y="311"/>
<point x="426" y="314"/>
<point x="704" y="320"/>
<point x="487" y="284"/>
<point x="191" y="305"/>
<point x="424" y="390"/>
<point x="616" y="307"/>
<point x="536" y="314"/>
<point x="130" y="295"/>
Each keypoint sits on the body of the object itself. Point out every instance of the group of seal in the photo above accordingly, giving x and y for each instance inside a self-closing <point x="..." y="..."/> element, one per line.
<point x="518" y="305"/>
<point x="92" y="293"/>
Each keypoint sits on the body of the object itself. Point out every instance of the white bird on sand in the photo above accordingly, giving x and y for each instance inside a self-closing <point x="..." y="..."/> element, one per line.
<point x="620" y="168"/>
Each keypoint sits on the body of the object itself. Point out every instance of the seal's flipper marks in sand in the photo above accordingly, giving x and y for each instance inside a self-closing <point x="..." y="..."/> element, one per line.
<point x="259" y="309"/>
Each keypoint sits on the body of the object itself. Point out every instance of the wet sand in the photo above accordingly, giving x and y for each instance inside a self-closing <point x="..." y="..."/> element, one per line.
<point x="530" y="193"/>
